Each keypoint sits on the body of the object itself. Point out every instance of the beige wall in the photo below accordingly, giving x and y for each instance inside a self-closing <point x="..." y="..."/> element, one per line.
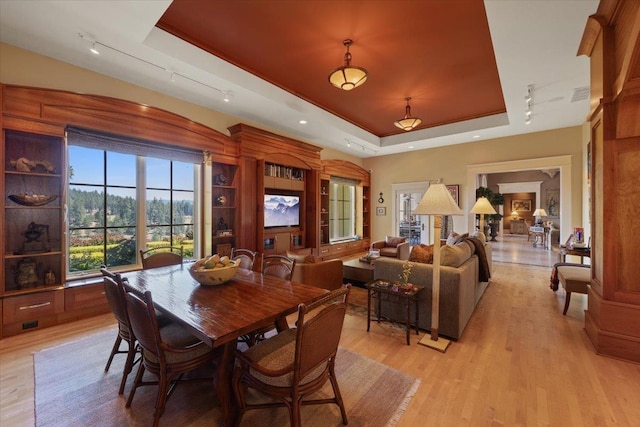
<point x="21" y="67"/>
<point x="450" y="163"/>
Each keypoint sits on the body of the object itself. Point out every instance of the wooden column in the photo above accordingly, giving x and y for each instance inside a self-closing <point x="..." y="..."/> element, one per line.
<point x="612" y="41"/>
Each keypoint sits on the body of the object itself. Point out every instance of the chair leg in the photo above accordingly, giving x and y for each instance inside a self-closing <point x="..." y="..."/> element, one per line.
<point x="128" y="366"/>
<point x="336" y="392"/>
<point x="238" y="390"/>
<point x="136" y="383"/>
<point x="567" y="299"/>
<point x="294" y="412"/>
<point x="161" y="398"/>
<point x="114" y="350"/>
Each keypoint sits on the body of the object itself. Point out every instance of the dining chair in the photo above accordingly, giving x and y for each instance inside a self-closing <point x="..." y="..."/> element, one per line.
<point x="278" y="266"/>
<point x="161" y="256"/>
<point x="168" y="353"/>
<point x="295" y="363"/>
<point x="245" y="256"/>
<point x="117" y="304"/>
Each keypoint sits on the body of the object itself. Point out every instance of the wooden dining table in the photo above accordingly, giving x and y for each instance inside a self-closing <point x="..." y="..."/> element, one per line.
<point x="219" y="315"/>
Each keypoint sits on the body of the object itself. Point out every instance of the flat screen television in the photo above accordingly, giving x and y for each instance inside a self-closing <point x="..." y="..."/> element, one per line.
<point x="281" y="211"/>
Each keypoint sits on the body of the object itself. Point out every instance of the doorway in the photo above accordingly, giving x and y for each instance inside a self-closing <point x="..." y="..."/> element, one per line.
<point x="559" y="162"/>
<point x="406" y="197"/>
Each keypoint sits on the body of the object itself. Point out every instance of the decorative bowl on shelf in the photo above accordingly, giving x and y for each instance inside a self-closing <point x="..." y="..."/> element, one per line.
<point x="32" y="199"/>
<point x="214" y="276"/>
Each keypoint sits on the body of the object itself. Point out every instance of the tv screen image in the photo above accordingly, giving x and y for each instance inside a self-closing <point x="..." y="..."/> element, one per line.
<point x="281" y="211"/>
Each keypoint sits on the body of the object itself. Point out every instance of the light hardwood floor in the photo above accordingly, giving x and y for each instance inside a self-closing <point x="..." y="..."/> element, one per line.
<point x="519" y="362"/>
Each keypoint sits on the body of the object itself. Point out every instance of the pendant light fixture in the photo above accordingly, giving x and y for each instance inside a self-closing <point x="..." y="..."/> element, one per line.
<point x="348" y="77"/>
<point x="408" y="122"/>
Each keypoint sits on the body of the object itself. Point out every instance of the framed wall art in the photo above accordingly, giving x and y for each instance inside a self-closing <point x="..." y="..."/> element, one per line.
<point x="521" y="205"/>
<point x="454" y="190"/>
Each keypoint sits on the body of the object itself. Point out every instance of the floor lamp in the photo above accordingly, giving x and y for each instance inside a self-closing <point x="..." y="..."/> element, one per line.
<point x="482" y="207"/>
<point x="436" y="201"/>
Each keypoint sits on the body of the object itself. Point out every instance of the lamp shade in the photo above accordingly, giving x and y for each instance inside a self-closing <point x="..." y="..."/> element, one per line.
<point x="540" y="212"/>
<point x="483" y="206"/>
<point x="437" y="201"/>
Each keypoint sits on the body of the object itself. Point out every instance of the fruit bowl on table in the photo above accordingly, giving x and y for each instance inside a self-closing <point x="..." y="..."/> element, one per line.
<point x="214" y="276"/>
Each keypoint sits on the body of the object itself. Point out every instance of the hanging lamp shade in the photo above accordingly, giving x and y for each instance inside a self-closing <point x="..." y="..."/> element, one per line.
<point x="408" y="122"/>
<point x="348" y="77"/>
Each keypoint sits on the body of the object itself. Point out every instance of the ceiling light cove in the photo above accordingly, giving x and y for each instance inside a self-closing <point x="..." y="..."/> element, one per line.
<point x="348" y="77"/>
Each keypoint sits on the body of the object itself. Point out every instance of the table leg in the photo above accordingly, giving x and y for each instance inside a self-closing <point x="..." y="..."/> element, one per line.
<point x="417" y="315"/>
<point x="408" y="320"/>
<point x="368" y="308"/>
<point x="223" y="385"/>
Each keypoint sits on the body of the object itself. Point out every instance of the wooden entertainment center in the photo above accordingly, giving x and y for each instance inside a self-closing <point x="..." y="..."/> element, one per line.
<point x="237" y="172"/>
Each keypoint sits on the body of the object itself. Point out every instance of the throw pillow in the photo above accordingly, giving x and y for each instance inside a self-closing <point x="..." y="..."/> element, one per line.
<point x="308" y="259"/>
<point x="453" y="238"/>
<point x="479" y="235"/>
<point x="422" y="253"/>
<point x="394" y="241"/>
<point x="455" y="255"/>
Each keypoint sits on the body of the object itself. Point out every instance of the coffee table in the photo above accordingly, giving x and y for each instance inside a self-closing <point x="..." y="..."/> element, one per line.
<point x="356" y="270"/>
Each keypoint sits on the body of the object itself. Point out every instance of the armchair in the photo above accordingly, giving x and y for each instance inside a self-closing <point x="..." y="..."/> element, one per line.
<point x="395" y="247"/>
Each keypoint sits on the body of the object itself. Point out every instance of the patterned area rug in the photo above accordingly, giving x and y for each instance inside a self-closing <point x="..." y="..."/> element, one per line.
<point x="72" y="389"/>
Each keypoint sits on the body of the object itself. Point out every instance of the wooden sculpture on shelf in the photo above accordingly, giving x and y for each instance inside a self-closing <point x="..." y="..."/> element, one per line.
<point x="25" y="165"/>
<point x="33" y="244"/>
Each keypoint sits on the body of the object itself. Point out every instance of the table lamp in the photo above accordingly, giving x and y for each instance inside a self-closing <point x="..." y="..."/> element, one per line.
<point x="482" y="207"/>
<point x="436" y="201"/>
<point x="539" y="213"/>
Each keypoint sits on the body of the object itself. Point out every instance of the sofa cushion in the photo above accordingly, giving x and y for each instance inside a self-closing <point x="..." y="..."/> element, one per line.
<point x="389" y="251"/>
<point x="394" y="241"/>
<point x="422" y="253"/>
<point x="455" y="255"/>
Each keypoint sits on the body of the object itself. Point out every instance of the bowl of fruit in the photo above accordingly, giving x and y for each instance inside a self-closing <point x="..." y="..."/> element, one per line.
<point x="214" y="270"/>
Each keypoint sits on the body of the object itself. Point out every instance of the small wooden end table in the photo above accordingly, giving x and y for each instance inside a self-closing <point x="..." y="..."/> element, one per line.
<point x="581" y="252"/>
<point x="395" y="293"/>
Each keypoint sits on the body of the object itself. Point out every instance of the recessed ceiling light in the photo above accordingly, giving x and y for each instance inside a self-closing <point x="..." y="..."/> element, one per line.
<point x="302" y="122"/>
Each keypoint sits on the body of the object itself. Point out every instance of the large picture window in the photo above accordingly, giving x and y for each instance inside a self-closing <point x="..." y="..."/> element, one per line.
<point x="121" y="202"/>
<point x="342" y="209"/>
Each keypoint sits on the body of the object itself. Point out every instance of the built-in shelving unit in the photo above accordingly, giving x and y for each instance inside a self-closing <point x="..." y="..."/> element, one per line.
<point x="324" y="210"/>
<point x="224" y="206"/>
<point x="283" y="180"/>
<point x="32" y="228"/>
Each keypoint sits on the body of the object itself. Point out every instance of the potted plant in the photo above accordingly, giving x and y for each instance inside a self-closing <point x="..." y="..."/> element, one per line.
<point x="496" y="199"/>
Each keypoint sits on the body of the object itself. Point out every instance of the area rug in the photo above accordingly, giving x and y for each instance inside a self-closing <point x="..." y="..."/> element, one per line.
<point x="72" y="389"/>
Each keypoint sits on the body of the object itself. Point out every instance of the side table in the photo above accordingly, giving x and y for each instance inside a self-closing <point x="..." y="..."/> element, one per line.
<point x="395" y="293"/>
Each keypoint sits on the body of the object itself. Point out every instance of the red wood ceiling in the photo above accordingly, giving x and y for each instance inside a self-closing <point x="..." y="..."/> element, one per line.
<point x="439" y="52"/>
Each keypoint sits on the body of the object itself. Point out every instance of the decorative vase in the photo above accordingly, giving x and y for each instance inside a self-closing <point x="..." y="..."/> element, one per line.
<point x="494" y="231"/>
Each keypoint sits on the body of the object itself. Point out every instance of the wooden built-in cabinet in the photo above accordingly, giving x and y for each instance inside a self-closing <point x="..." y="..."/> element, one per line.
<point x="33" y="271"/>
<point x="33" y="123"/>
<point x="612" y="42"/>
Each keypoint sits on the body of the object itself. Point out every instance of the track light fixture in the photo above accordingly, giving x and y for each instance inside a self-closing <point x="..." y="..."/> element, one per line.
<point x="408" y="122"/>
<point x="528" y="99"/>
<point x="348" y="77"/>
